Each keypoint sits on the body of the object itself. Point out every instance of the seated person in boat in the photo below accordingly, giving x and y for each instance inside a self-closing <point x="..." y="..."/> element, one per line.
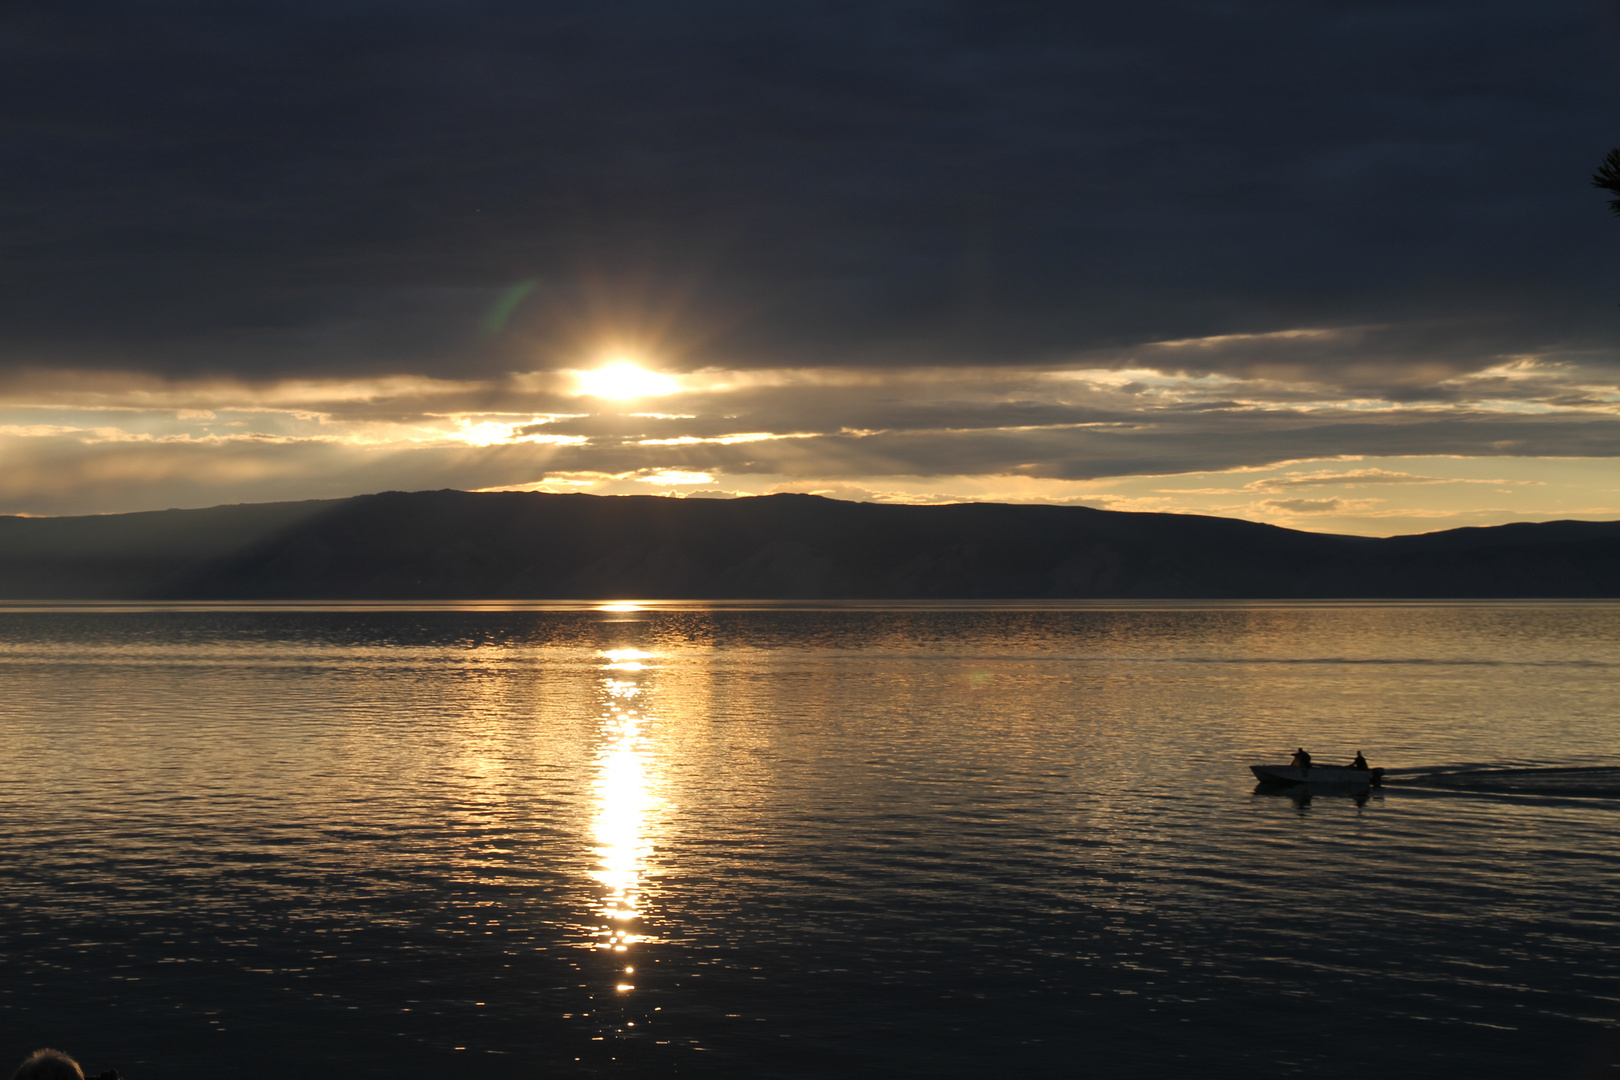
<point x="1360" y="762"/>
<point x="1301" y="760"/>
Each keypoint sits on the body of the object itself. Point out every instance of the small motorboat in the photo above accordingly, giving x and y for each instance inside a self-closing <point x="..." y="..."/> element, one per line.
<point x="1317" y="774"/>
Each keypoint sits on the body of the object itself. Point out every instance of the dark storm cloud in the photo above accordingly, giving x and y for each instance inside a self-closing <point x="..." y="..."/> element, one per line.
<point x="264" y="189"/>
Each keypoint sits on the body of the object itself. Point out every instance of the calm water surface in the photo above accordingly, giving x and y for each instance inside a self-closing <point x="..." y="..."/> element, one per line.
<point x="850" y="841"/>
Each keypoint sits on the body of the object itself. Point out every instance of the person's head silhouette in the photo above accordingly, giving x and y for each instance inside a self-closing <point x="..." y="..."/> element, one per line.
<point x="48" y="1064"/>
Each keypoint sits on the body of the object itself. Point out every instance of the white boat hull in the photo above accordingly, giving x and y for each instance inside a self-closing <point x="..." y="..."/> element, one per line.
<point x="1316" y="774"/>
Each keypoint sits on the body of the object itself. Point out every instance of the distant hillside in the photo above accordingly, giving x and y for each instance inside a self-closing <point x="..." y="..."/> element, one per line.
<point x="458" y="545"/>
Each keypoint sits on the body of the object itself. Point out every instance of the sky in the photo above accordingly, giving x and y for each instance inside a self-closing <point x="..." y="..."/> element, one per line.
<point x="1333" y="266"/>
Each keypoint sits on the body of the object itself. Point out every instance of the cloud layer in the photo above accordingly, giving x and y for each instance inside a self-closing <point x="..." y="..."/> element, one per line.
<point x="287" y="187"/>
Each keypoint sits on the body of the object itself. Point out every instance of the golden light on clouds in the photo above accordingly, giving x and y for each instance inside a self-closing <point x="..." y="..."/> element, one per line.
<point x="676" y="477"/>
<point x="622" y="380"/>
<point x="1518" y="438"/>
<point x="496" y="433"/>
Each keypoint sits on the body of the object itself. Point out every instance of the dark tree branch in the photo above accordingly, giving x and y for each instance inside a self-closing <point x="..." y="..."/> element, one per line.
<point x="1608" y="177"/>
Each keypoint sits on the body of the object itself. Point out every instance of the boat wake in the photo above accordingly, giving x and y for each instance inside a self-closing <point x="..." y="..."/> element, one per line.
<point x="1584" y="782"/>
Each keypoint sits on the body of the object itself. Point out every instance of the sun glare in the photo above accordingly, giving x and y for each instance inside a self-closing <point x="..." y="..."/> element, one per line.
<point x="622" y="380"/>
<point x="624" y="800"/>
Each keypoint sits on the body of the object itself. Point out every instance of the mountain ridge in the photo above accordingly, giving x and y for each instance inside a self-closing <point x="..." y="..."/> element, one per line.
<point x="521" y="545"/>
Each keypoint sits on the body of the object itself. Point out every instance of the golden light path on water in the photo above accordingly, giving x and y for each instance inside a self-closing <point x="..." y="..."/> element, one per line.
<point x="624" y="801"/>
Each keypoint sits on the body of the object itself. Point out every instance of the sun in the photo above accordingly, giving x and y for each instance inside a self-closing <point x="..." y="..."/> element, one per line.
<point x="623" y="379"/>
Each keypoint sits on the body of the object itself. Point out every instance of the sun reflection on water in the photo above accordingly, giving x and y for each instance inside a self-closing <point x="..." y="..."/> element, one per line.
<point x="623" y="801"/>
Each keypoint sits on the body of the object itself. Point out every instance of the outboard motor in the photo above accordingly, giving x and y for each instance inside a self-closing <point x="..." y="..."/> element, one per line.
<point x="1378" y="778"/>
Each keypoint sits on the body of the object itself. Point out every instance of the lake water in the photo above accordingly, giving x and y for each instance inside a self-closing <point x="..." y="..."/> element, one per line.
<point x="857" y="840"/>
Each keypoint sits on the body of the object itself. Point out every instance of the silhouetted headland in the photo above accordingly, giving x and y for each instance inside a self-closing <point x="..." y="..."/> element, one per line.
<point x="461" y="545"/>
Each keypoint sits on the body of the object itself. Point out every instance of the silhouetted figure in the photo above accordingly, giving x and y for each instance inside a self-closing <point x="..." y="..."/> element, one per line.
<point x="48" y="1065"/>
<point x="1301" y="760"/>
<point x="1360" y="762"/>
